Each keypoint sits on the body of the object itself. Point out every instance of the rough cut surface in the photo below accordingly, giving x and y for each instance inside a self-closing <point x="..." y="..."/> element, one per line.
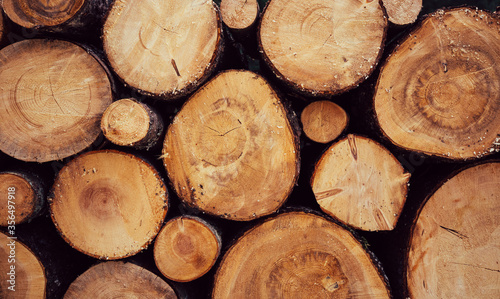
<point x="162" y="47"/>
<point x="186" y="248"/>
<point x="323" y="46"/>
<point x="231" y="150"/>
<point x="33" y="13"/>
<point x="361" y="183"/>
<point x="298" y="255"/>
<point x="402" y="12"/>
<point x="323" y="121"/>
<point x="52" y="96"/>
<point x="119" y="280"/>
<point x="29" y="281"/>
<point x="455" y="242"/>
<point x="439" y="91"/>
<point x="239" y="14"/>
<point x="108" y="204"/>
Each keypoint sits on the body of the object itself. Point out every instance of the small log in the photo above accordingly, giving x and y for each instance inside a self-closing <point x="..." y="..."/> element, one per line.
<point x="57" y="16"/>
<point x="52" y="96"/>
<point x="163" y="49"/>
<point x="22" y="198"/>
<point x="454" y="244"/>
<point x="128" y="122"/>
<point x="298" y="255"/>
<point x="439" y="91"/>
<point x="402" y="12"/>
<point x="239" y="15"/>
<point x="108" y="204"/>
<point x="119" y="280"/>
<point x="22" y="275"/>
<point x="231" y="150"/>
<point x="322" y="47"/>
<point x="186" y="248"/>
<point x="323" y="121"/>
<point x="360" y="183"/>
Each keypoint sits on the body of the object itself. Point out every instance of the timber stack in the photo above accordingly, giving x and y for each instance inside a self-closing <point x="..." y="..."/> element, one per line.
<point x="249" y="149"/>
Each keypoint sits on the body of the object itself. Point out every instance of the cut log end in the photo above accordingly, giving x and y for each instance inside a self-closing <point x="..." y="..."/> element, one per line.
<point x="323" y="121"/>
<point x="298" y="255"/>
<point x="231" y="150"/>
<point x="22" y="275"/>
<point x="239" y="14"/>
<point x="52" y="95"/>
<point x="163" y="50"/>
<point x="128" y="122"/>
<point x="186" y="249"/>
<point x="439" y="91"/>
<point x="119" y="280"/>
<point x="402" y="12"/>
<point x="361" y="183"/>
<point x="454" y="245"/>
<point x="36" y="13"/>
<point x="108" y="204"/>
<point x="322" y="47"/>
<point x="24" y="194"/>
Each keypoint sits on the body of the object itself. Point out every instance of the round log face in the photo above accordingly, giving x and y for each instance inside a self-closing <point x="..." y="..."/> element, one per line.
<point x="323" y="121"/>
<point x="231" y="150"/>
<point x="108" y="204"/>
<point x="361" y="183"/>
<point x="125" y="122"/>
<point x="439" y="92"/>
<point x="186" y="249"/>
<point x="119" y="280"/>
<point x="52" y="95"/>
<point x="33" y="13"/>
<point x="455" y="242"/>
<point x="239" y="14"/>
<point x="402" y="12"/>
<point x="29" y="279"/>
<point x="162" y="47"/>
<point x="23" y="198"/>
<point x="298" y="255"/>
<point x="320" y="46"/>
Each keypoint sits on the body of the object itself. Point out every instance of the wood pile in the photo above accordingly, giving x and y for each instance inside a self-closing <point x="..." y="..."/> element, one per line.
<point x="249" y="149"/>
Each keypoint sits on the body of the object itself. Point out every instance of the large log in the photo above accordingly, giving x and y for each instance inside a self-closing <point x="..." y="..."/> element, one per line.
<point x="52" y="96"/>
<point x="163" y="48"/>
<point x="22" y="275"/>
<point x="186" y="248"/>
<point x="298" y="255"/>
<point x="231" y="150"/>
<point x="119" y="280"/>
<point x="455" y="246"/>
<point x="439" y="91"/>
<point x="361" y="183"/>
<point x="108" y="204"/>
<point x="322" y="47"/>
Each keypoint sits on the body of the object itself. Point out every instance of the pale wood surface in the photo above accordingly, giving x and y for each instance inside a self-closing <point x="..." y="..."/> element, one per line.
<point x="33" y="13"/>
<point x="361" y="183"/>
<point x="323" y="121"/>
<point x="239" y="14"/>
<point x="439" y="91"/>
<point x="402" y="12"/>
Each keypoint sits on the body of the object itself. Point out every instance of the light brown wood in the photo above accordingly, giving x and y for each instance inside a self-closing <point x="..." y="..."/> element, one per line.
<point x="439" y="91"/>
<point x="52" y="96"/>
<point x="34" y="13"/>
<point x="119" y="280"/>
<point x="455" y="242"/>
<point x="21" y="198"/>
<point x="186" y="248"/>
<point x="361" y="183"/>
<point x="402" y="12"/>
<point x="323" y="121"/>
<point x="239" y="14"/>
<point x="231" y="151"/>
<point x="298" y="255"/>
<point x="322" y="47"/>
<point x="128" y="122"/>
<point x="163" y="48"/>
<point x="22" y="275"/>
<point x="108" y="204"/>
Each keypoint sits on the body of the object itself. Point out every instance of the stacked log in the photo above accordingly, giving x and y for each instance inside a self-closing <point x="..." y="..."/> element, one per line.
<point x="376" y="191"/>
